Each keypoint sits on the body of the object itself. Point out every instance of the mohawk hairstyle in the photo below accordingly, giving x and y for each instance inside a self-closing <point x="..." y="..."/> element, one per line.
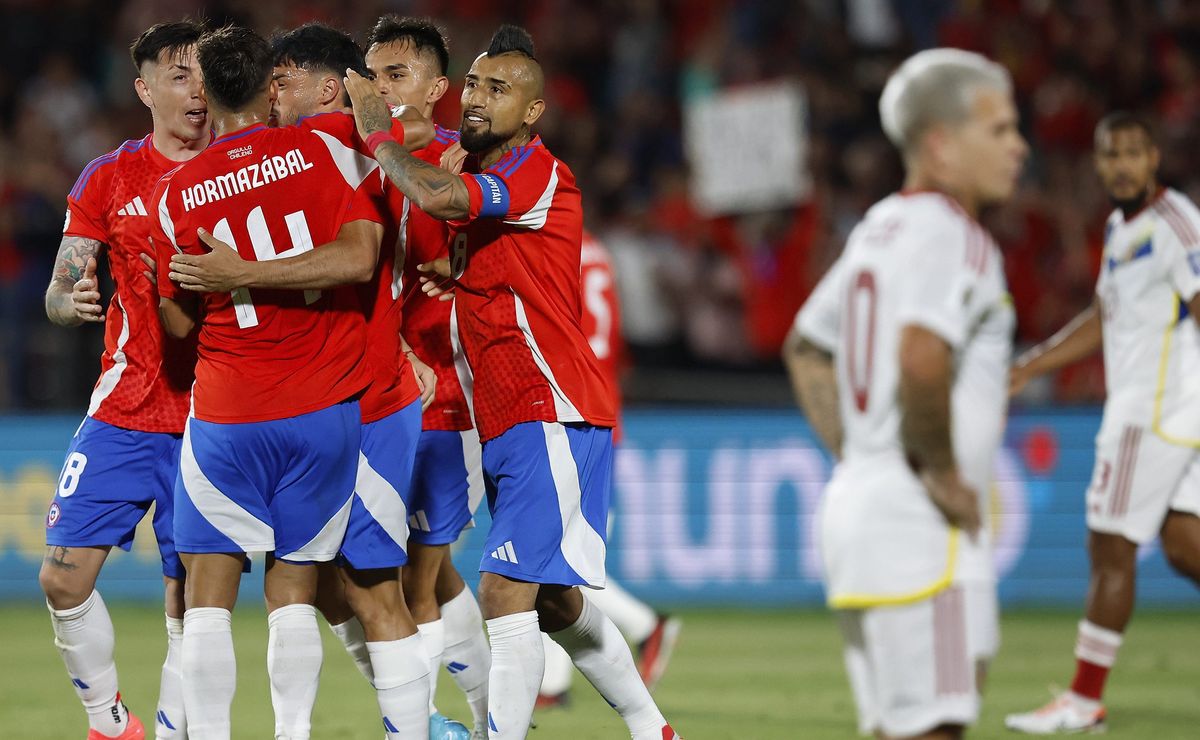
<point x="424" y="35"/>
<point x="173" y="37"/>
<point x="510" y="39"/>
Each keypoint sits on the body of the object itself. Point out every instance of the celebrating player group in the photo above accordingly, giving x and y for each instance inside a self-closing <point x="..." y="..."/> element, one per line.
<point x="901" y="361"/>
<point x="336" y="327"/>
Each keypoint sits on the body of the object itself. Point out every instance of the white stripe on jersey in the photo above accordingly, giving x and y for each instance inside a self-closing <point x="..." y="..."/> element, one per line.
<point x="473" y="459"/>
<point x="109" y="379"/>
<point x="563" y="408"/>
<point x="535" y="218"/>
<point x="354" y="167"/>
<point x="462" y="368"/>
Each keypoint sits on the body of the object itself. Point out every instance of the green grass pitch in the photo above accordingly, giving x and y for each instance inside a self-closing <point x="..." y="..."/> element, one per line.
<point x="743" y="675"/>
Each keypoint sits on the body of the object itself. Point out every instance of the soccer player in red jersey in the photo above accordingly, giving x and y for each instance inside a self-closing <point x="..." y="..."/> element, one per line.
<point x="654" y="634"/>
<point x="126" y="452"/>
<point x="310" y="62"/>
<point x="542" y="406"/>
<point x="408" y="59"/>
<point x="271" y="450"/>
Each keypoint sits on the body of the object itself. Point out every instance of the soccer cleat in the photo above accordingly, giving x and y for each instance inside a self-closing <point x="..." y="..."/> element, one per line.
<point x="654" y="652"/>
<point x="133" y="729"/>
<point x="1064" y="715"/>
<point x="553" y="701"/>
<point x="444" y="728"/>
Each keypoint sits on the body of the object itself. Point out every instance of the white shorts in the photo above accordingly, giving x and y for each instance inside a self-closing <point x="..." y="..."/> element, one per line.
<point x="1137" y="478"/>
<point x="913" y="667"/>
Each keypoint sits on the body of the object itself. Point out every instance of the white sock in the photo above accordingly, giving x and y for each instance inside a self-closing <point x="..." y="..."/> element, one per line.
<point x="170" y="721"/>
<point x="209" y="672"/>
<point x="402" y="686"/>
<point x="354" y="638"/>
<point x="433" y="637"/>
<point x="557" y="677"/>
<point x="294" y="667"/>
<point x="601" y="654"/>
<point x="635" y="619"/>
<point x="84" y="638"/>
<point x="517" y="665"/>
<point x="467" y="655"/>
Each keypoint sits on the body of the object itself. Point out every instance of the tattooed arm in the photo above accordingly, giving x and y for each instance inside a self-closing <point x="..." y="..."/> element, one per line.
<point x="810" y="369"/>
<point x="73" y="296"/>
<point x="441" y="194"/>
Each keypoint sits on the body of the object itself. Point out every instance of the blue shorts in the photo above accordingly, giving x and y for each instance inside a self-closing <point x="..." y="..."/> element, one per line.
<point x="447" y="486"/>
<point x="378" y="535"/>
<point x="108" y="481"/>
<point x="548" y="488"/>
<point x="281" y="486"/>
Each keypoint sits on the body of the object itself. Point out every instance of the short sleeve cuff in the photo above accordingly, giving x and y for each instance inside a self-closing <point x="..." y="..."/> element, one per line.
<point x="807" y="326"/>
<point x="952" y="332"/>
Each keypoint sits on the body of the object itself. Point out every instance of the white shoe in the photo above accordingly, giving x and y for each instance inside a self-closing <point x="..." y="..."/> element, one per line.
<point x="1066" y="715"/>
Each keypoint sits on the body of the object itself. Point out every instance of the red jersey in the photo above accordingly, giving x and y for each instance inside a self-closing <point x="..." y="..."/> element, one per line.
<point x="271" y="193"/>
<point x="393" y="382"/>
<point x="145" y="376"/>
<point x="601" y="320"/>
<point x="427" y="320"/>
<point x="518" y="301"/>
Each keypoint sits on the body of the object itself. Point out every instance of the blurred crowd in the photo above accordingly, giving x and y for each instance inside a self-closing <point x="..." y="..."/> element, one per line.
<point x="698" y="291"/>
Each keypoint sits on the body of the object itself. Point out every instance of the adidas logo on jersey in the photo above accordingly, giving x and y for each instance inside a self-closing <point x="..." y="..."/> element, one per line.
<point x="134" y="207"/>
<point x="506" y="553"/>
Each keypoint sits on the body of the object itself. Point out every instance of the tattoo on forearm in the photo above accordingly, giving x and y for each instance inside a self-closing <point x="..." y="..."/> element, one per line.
<point x="436" y="191"/>
<point x="925" y="425"/>
<point x="73" y="256"/>
<point x="56" y="557"/>
<point x="816" y="387"/>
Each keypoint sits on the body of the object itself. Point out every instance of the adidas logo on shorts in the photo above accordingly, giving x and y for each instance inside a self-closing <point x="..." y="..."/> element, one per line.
<point x="506" y="553"/>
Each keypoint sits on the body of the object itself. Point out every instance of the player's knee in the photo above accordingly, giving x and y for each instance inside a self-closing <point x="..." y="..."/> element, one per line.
<point x="64" y="589"/>
<point x="1183" y="556"/>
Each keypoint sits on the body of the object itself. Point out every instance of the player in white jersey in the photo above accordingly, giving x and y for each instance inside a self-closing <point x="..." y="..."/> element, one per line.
<point x="1146" y="480"/>
<point x="900" y="359"/>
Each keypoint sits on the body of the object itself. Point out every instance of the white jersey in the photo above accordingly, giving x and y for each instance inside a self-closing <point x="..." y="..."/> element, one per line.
<point x="915" y="259"/>
<point x="1151" y="269"/>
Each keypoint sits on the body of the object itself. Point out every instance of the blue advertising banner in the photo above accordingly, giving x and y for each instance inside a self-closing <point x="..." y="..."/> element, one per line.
<point x="710" y="508"/>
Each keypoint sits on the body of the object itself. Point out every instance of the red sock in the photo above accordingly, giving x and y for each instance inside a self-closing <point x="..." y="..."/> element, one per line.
<point x="1089" y="679"/>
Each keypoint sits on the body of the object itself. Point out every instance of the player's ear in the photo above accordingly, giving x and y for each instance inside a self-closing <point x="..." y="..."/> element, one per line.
<point x="330" y="88"/>
<point x="534" y="112"/>
<point x="440" y="86"/>
<point x="143" y="92"/>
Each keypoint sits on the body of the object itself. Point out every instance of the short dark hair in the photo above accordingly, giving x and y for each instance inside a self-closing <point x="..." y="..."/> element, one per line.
<point x="173" y="37"/>
<point x="236" y="63"/>
<point x="422" y="33"/>
<point x="316" y="46"/>
<point x="1124" y="119"/>
<point x="510" y="39"/>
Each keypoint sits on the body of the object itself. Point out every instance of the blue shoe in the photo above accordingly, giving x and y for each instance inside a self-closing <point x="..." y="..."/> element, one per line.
<point x="444" y="728"/>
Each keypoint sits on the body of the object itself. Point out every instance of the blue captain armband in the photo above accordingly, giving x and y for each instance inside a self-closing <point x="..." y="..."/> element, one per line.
<point x="495" y="196"/>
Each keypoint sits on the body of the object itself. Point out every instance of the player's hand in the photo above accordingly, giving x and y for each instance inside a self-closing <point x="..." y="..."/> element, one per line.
<point x="438" y="284"/>
<point x="219" y="271"/>
<point x="1019" y="377"/>
<point x="957" y="501"/>
<point x="371" y="112"/>
<point x="453" y="158"/>
<point x="85" y="295"/>
<point x="151" y="271"/>
<point x="426" y="379"/>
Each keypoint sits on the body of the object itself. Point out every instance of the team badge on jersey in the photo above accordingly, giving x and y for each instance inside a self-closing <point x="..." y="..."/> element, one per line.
<point x="53" y="515"/>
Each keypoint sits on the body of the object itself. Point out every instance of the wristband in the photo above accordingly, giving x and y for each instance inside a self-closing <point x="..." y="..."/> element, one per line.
<point x="378" y="138"/>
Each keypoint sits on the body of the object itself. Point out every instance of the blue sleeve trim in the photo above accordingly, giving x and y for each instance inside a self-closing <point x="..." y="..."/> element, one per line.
<point x="130" y="146"/>
<point x="508" y="168"/>
<point x="494" y="203"/>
